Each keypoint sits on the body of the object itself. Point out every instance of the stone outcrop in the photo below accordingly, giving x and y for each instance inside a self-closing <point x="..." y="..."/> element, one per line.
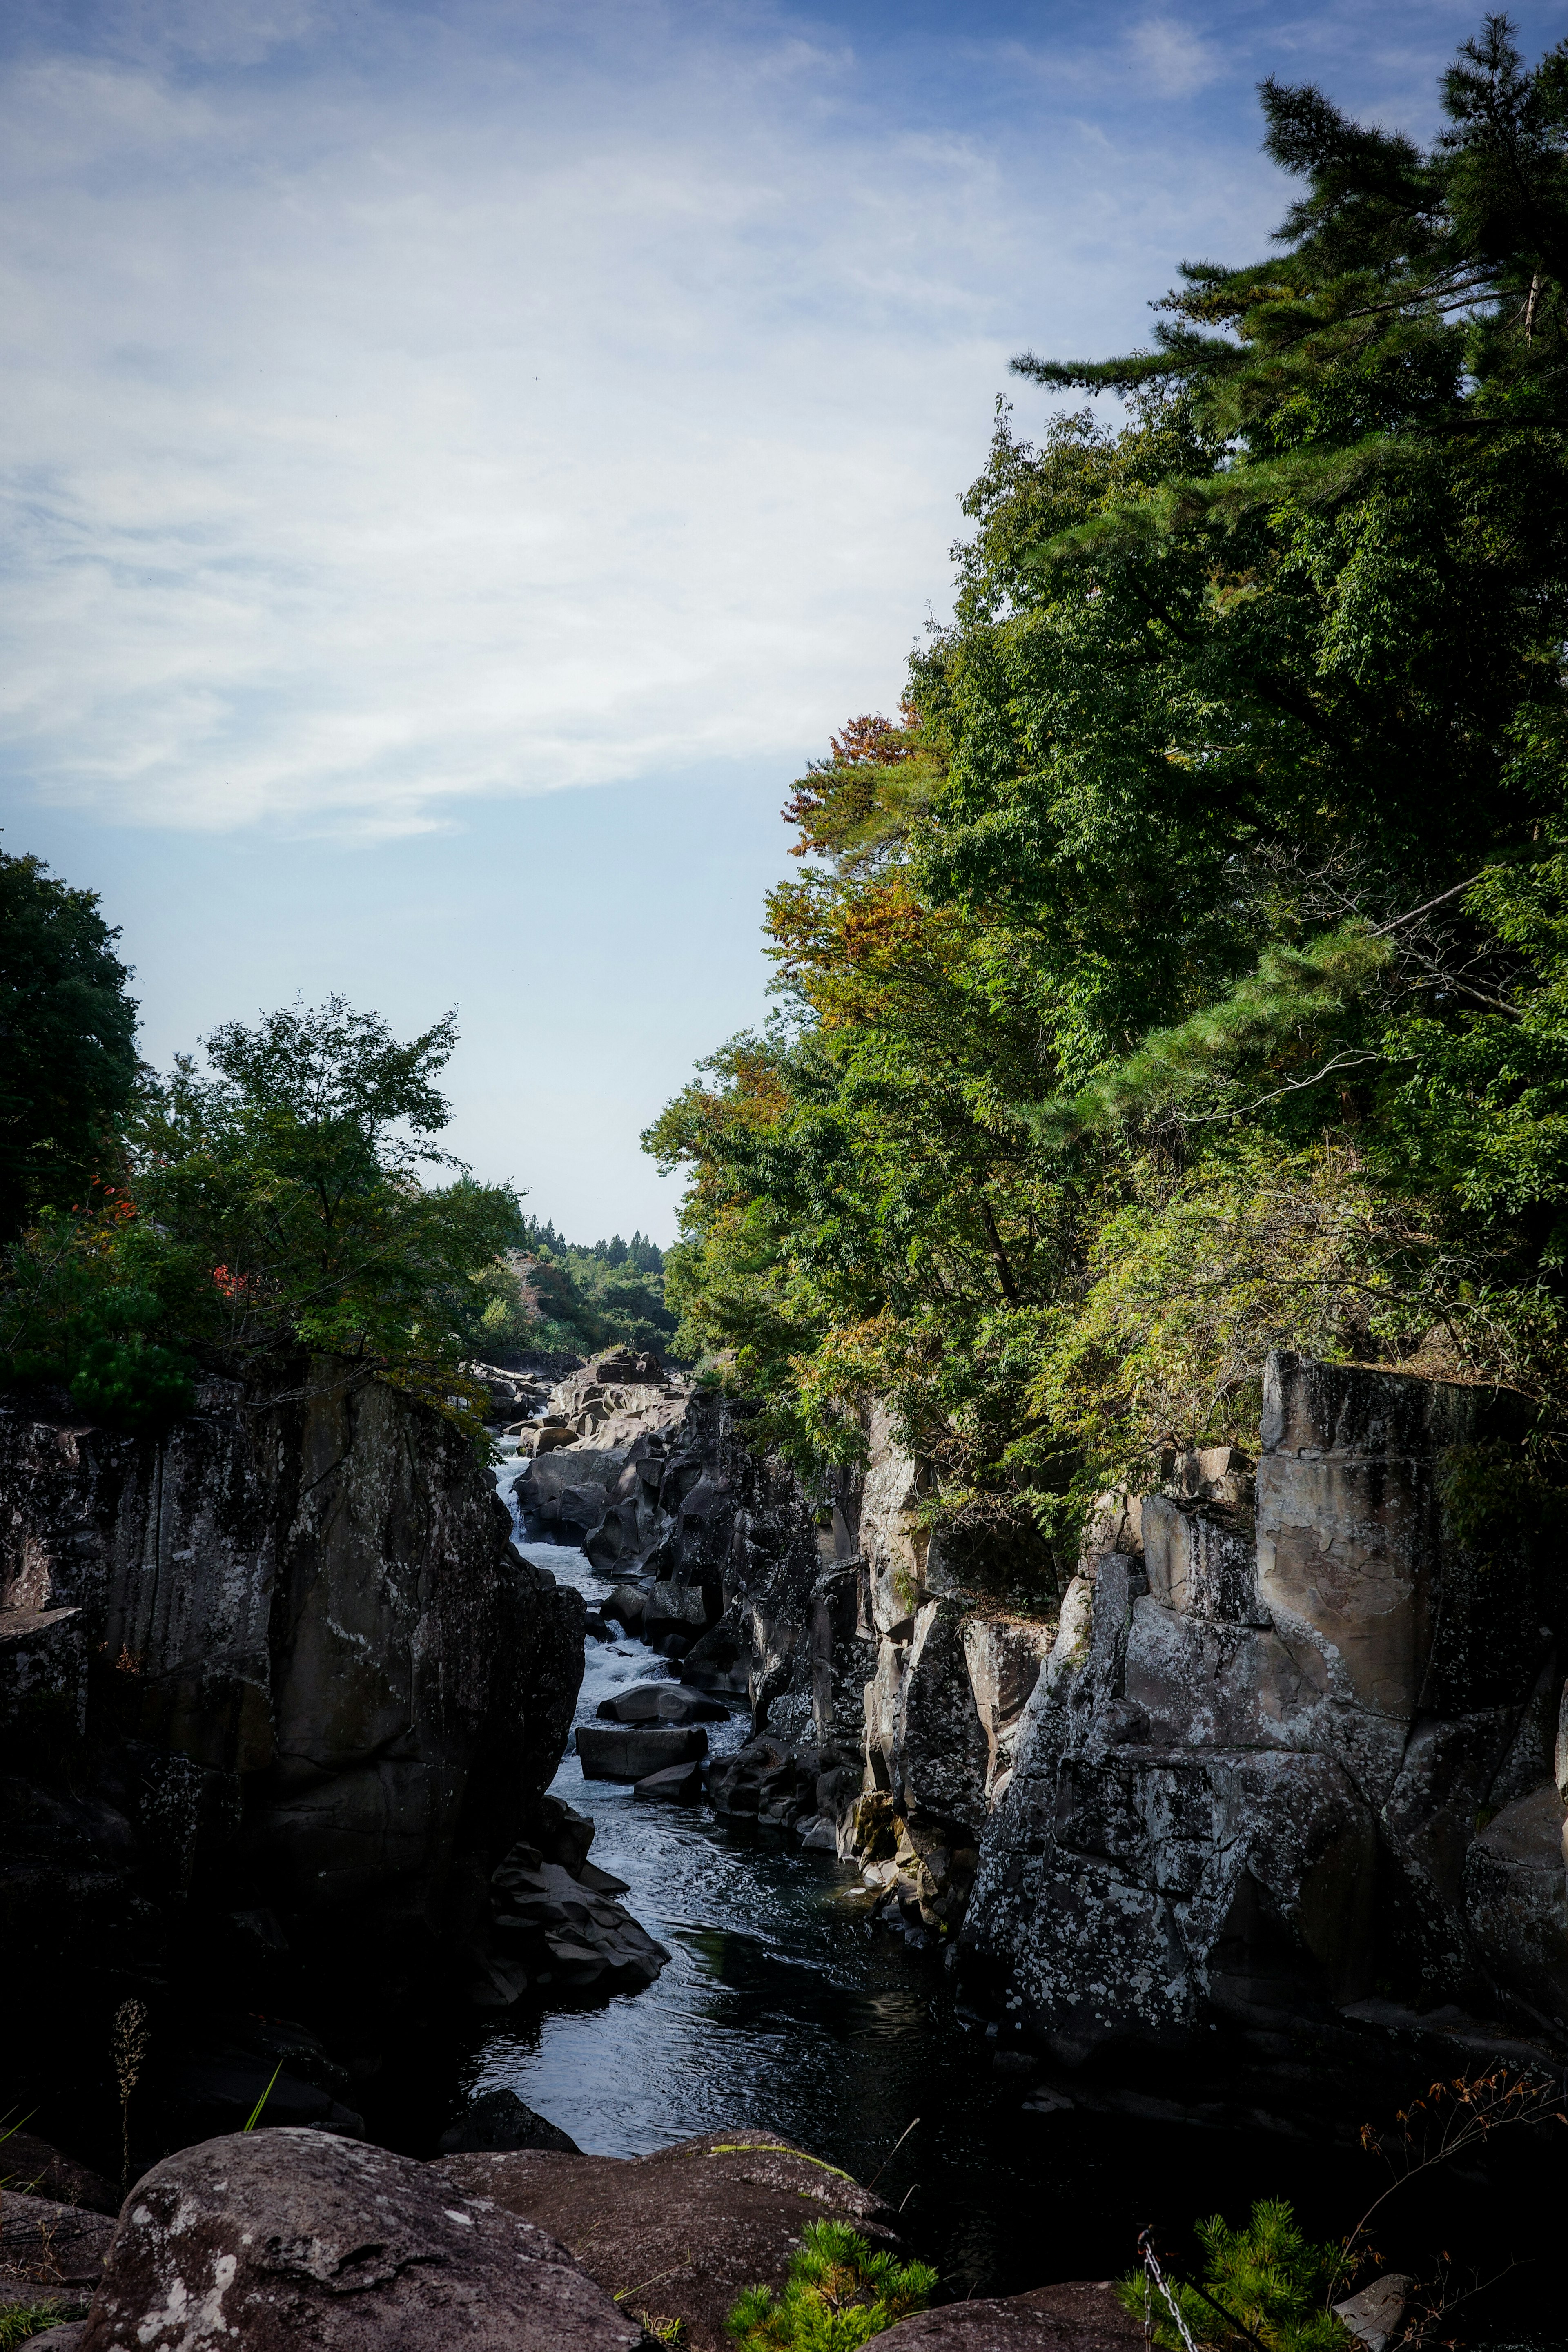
<point x="285" y="1657"/>
<point x="1248" y="1785"/>
<point x="552" y="1925"/>
<point x="676" y="2235"/>
<point x="283" y="2238"/>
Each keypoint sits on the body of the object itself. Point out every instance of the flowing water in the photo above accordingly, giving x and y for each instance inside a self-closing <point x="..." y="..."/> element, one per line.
<point x="783" y="2009"/>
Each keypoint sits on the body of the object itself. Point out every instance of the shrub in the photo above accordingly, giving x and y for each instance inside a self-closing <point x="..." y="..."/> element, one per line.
<point x="838" y="2295"/>
<point x="1273" y="2281"/>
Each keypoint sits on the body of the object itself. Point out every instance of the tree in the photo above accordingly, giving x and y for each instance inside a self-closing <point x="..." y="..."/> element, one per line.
<point x="1187" y="972"/>
<point x="273" y="1204"/>
<point x="69" y="1066"/>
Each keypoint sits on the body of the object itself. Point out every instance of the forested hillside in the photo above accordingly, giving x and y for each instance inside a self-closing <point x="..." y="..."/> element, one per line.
<point x="1183" y="972"/>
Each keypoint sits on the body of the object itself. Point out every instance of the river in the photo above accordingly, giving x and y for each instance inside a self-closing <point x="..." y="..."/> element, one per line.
<point x="782" y="2008"/>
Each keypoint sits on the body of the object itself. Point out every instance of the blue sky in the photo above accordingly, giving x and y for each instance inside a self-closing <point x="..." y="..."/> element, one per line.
<point x="461" y="458"/>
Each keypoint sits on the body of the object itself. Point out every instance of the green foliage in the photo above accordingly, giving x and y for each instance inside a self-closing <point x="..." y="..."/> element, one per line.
<point x="69" y="1066"/>
<point x="1185" y="971"/>
<point x="583" y="1298"/>
<point x="19" y="2321"/>
<point x="274" y="1202"/>
<point x="838" y="2295"/>
<point x="1270" y="2278"/>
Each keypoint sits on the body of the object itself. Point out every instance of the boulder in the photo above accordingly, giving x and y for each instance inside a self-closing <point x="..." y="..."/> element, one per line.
<point x="628" y="1602"/>
<point x="1081" y="2315"/>
<point x="273" y="2238"/>
<point x="677" y="2235"/>
<point x="557" y="1928"/>
<point x="680" y="1784"/>
<point x="676" y="1608"/>
<point x="33" y="2167"/>
<point x="50" y="2252"/>
<point x="1375" y="2312"/>
<point x="499" y="2119"/>
<point x="626" y="1752"/>
<point x="662" y="1703"/>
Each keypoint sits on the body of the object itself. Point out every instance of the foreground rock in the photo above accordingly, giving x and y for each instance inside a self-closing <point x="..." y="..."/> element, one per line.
<point x="50" y="2252"/>
<point x="1079" y="2317"/>
<point x="35" y="2167"/>
<point x="678" y="2235"/>
<point x="276" y="2239"/>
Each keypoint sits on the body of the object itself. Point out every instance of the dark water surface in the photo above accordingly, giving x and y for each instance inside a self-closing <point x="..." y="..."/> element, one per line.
<point x="782" y="2009"/>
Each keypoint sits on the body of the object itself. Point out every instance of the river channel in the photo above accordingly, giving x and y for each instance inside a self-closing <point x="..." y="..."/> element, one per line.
<point x="783" y="2009"/>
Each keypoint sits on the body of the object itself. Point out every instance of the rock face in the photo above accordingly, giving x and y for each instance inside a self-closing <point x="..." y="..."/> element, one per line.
<point x="554" y="1926"/>
<point x="309" y="1667"/>
<point x="283" y="2238"/>
<point x="1248" y="1785"/>
<point x="677" y="2235"/>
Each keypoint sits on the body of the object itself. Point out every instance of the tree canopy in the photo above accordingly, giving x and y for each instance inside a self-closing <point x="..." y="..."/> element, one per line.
<point x="1183" y="973"/>
<point x="69" y="1064"/>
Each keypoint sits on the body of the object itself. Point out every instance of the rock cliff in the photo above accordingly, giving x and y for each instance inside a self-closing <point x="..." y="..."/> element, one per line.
<point x="1294" y="1755"/>
<point x="1290" y="1750"/>
<point x="283" y="1659"/>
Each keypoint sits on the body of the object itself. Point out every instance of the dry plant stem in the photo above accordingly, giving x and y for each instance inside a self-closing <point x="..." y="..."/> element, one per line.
<point x="1467" y="2112"/>
<point x="129" y="2046"/>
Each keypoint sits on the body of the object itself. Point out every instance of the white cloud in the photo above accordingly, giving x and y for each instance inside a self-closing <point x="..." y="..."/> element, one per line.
<point x="395" y="424"/>
<point x="1174" y="59"/>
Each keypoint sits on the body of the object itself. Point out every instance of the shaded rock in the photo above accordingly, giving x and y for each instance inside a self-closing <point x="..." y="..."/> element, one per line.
<point x="315" y="1652"/>
<point x="67" y="2337"/>
<point x="680" y="2232"/>
<point x="628" y="1602"/>
<point x="32" y="2167"/>
<point x="1516" y="1901"/>
<point x="1081" y="2315"/>
<point x="662" y="1703"/>
<point x="499" y="2119"/>
<point x="1374" y="2312"/>
<point x="274" y="2239"/>
<point x="558" y="1929"/>
<point x="679" y="1784"/>
<point x="625" y="1752"/>
<point x="50" y="2251"/>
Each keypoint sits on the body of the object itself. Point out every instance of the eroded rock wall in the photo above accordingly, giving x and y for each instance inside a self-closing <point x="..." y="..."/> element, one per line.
<point x="1257" y="1779"/>
<point x="291" y="1648"/>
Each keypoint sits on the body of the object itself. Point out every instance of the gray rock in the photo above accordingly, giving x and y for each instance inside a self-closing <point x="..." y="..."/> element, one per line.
<point x="625" y="1752"/>
<point x="662" y="1703"/>
<point x="50" y="2251"/>
<point x="274" y="2239"/>
<point x="499" y="2119"/>
<point x="1516" y="1901"/>
<point x="679" y="1784"/>
<point x="309" y="1593"/>
<point x="1374" y="2312"/>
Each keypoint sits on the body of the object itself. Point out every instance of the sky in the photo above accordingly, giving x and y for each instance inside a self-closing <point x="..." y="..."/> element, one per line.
<point x="461" y="459"/>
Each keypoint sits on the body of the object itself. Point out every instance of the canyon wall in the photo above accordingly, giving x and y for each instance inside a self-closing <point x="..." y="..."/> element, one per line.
<point x="1291" y="1748"/>
<point x="283" y="1657"/>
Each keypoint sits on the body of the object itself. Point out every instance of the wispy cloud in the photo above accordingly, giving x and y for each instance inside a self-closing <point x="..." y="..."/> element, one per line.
<point x="1172" y="58"/>
<point x="405" y="405"/>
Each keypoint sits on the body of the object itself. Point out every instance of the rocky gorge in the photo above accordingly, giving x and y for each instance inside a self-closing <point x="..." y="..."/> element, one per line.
<point x="1270" y="1803"/>
<point x="1288" y="1759"/>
